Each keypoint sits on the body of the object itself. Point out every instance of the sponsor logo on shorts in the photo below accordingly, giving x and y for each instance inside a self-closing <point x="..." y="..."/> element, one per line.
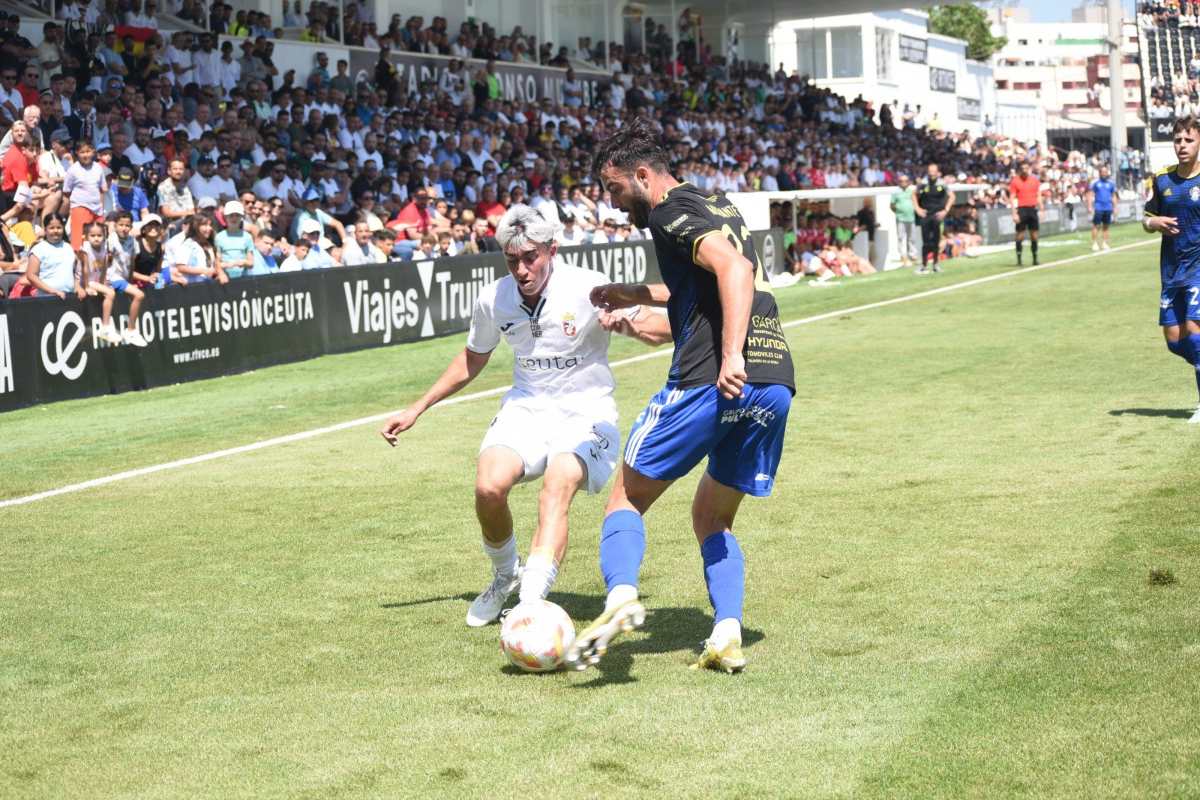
<point x="756" y="414"/>
<point x="599" y="438"/>
<point x="762" y="476"/>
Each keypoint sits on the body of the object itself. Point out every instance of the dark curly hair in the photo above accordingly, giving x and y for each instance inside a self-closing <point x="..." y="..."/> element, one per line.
<point x="635" y="144"/>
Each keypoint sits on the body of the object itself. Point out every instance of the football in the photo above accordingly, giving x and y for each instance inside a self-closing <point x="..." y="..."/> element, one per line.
<point x="535" y="636"/>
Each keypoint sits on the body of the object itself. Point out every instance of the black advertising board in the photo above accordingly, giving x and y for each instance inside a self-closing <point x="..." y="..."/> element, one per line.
<point x="518" y="82"/>
<point x="50" y="349"/>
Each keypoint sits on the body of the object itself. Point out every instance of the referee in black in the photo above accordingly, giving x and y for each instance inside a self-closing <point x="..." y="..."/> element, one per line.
<point x="934" y="200"/>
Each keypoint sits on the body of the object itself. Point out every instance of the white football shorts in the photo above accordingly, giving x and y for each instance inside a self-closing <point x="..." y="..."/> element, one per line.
<point x="537" y="434"/>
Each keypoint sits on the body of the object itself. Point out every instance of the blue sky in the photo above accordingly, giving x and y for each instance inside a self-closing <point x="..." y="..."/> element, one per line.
<point x="1058" y="10"/>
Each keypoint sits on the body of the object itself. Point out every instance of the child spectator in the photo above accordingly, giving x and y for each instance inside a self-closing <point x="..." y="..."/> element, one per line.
<point x="195" y="259"/>
<point x="51" y="266"/>
<point x="425" y="250"/>
<point x="234" y="246"/>
<point x="295" y="261"/>
<point x="147" y="263"/>
<point x="90" y="277"/>
<point x="12" y="266"/>
<point x="121" y="251"/>
<point x="84" y="185"/>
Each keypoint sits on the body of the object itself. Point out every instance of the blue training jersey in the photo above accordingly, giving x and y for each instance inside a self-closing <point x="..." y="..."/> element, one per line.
<point x="1179" y="257"/>
<point x="1103" y="190"/>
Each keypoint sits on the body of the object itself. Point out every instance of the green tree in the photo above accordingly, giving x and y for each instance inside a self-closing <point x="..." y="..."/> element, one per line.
<point x="967" y="22"/>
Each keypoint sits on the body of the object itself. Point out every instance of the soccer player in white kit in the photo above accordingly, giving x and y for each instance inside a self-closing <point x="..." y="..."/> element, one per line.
<point x="559" y="420"/>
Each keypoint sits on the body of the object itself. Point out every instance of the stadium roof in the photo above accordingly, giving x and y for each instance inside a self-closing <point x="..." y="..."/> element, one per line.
<point x="780" y="10"/>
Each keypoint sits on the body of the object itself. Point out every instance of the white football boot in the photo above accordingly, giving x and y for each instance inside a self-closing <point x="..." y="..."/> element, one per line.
<point x="485" y="609"/>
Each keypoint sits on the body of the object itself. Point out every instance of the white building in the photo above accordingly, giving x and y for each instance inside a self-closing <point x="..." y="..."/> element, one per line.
<point x="1062" y="67"/>
<point x="890" y="57"/>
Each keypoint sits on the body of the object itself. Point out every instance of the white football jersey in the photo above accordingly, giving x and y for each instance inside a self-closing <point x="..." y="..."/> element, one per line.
<point x="560" y="350"/>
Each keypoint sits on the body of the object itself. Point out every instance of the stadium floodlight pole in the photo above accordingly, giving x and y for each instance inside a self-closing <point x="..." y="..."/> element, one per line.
<point x="1116" y="83"/>
<point x="607" y="37"/>
<point x="674" y="41"/>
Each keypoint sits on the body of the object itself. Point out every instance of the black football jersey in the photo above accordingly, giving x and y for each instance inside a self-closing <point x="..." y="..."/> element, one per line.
<point x="678" y="224"/>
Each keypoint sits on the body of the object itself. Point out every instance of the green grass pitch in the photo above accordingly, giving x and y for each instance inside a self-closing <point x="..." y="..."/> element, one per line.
<point x="950" y="594"/>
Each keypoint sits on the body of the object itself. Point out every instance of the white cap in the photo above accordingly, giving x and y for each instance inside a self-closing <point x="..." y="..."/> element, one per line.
<point x="207" y="202"/>
<point x="309" y="225"/>
<point x="234" y="207"/>
<point x="146" y="220"/>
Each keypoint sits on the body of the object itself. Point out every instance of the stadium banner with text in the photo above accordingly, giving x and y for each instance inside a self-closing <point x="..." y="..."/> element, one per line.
<point x="518" y="82"/>
<point x="996" y="225"/>
<point x="51" y="349"/>
<point x="1162" y="130"/>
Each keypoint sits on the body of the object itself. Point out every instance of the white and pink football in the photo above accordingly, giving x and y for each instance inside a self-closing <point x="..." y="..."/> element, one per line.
<point x="535" y="635"/>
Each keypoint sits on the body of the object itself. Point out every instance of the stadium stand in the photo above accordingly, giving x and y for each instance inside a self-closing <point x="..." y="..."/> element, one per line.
<point x="190" y="117"/>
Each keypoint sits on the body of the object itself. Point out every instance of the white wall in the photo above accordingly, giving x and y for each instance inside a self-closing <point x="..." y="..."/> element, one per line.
<point x="907" y="82"/>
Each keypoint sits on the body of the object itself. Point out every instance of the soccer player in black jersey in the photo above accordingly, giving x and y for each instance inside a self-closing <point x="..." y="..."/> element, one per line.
<point x="726" y="397"/>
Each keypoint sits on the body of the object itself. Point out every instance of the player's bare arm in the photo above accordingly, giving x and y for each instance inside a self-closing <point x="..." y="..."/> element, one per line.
<point x="461" y="371"/>
<point x="646" y="327"/>
<point x="1167" y="225"/>
<point x="735" y="284"/>
<point x="612" y="296"/>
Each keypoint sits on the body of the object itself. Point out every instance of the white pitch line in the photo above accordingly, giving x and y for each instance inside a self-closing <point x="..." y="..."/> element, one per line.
<point x="659" y="353"/>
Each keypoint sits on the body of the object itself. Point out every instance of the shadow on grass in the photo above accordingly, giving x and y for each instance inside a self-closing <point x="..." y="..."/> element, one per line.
<point x="1173" y="413"/>
<point x="466" y="598"/>
<point x="667" y="630"/>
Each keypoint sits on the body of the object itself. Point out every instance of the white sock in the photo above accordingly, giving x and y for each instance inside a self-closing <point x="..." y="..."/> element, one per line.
<point x="504" y="558"/>
<point x="541" y="570"/>
<point x="621" y="593"/>
<point x="726" y="631"/>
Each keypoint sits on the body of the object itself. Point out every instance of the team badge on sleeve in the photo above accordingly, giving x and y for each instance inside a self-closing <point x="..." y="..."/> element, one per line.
<point x="568" y="324"/>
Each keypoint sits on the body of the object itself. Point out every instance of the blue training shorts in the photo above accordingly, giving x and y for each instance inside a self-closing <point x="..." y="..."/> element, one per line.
<point x="742" y="438"/>
<point x="1102" y="218"/>
<point x="1178" y="304"/>
<point x="120" y="284"/>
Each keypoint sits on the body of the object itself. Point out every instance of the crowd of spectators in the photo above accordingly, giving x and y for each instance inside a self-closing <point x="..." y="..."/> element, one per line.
<point x="200" y="136"/>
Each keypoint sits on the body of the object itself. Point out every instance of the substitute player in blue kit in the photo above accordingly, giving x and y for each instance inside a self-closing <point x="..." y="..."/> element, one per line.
<point x="1100" y="201"/>
<point x="726" y="398"/>
<point x="1174" y="211"/>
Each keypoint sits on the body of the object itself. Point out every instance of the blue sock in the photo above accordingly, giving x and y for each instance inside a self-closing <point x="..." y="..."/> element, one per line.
<point x="622" y="545"/>
<point x="1194" y="345"/>
<point x="1182" y="348"/>
<point x="725" y="573"/>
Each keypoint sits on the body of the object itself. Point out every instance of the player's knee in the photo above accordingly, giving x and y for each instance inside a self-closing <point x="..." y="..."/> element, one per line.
<point x="491" y="492"/>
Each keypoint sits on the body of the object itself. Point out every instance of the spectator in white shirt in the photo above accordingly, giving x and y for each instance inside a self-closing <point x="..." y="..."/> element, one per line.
<point x="206" y="62"/>
<point x="139" y="153"/>
<point x="229" y="70"/>
<point x="369" y="151"/>
<point x="606" y="233"/>
<point x="180" y="70"/>
<point x="361" y="249"/>
<point x="571" y="235"/>
<point x="544" y="203"/>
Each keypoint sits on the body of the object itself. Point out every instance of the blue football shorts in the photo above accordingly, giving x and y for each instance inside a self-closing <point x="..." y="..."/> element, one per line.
<point x="1178" y="304"/>
<point x="742" y="438"/>
<point x="1102" y="218"/>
